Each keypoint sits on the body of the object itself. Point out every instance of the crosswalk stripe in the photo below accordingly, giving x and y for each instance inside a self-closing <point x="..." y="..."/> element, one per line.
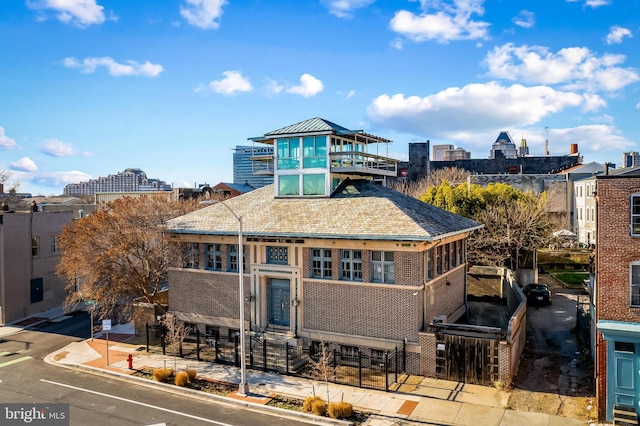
<point x="14" y="361"/>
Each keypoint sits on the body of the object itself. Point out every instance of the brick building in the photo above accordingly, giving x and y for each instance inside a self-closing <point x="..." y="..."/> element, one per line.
<point x="616" y="298"/>
<point x="329" y="256"/>
<point x="29" y="257"/>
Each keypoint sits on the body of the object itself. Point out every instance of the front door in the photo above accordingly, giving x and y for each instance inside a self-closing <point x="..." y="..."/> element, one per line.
<point x="279" y="303"/>
<point x="624" y="380"/>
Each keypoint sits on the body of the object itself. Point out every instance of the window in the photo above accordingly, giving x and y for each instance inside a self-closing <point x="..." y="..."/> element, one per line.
<point x="190" y="328"/>
<point x="460" y="246"/>
<point x="382" y="267"/>
<point x="351" y="265"/>
<point x="453" y="254"/>
<point x="635" y="214"/>
<point x="313" y="184"/>
<point x="191" y="255"/>
<point x="625" y="347"/>
<point x="321" y="263"/>
<point x="233" y="335"/>
<point x="35" y="246"/>
<point x="214" y="257"/>
<point x="278" y="255"/>
<point x="635" y="285"/>
<point x="54" y="244"/>
<point x="446" y="257"/>
<point x="288" y="153"/>
<point x="349" y="354"/>
<point x="438" y="260"/>
<point x="430" y="264"/>
<point x="314" y="151"/>
<point x="213" y="332"/>
<point x="233" y="258"/>
<point x="288" y="185"/>
<point x="377" y="356"/>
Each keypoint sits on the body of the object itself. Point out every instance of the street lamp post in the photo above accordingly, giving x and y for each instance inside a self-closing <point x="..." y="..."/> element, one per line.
<point x="243" y="388"/>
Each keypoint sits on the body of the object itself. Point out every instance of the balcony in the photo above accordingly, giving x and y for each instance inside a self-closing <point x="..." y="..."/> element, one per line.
<point x="360" y="163"/>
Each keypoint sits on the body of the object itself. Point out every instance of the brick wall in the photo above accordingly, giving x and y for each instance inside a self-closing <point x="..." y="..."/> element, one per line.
<point x="371" y="310"/>
<point x="428" y="354"/>
<point x="615" y="250"/>
<point x="206" y="293"/>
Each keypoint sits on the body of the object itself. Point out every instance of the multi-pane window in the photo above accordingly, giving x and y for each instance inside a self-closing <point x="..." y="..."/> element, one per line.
<point x="453" y="254"/>
<point x="349" y="354"/>
<point x="191" y="255"/>
<point x="382" y="267"/>
<point x="232" y="250"/>
<point x="54" y="244"/>
<point x="430" y="264"/>
<point x="314" y="151"/>
<point x="351" y="265"/>
<point x="635" y="284"/>
<point x="313" y="184"/>
<point x="321" y="263"/>
<point x="288" y="153"/>
<point x="278" y="255"/>
<point x="214" y="257"/>
<point x="635" y="214"/>
<point x="35" y="246"/>
<point x="438" y="260"/>
<point x="288" y="185"/>
<point x="460" y="252"/>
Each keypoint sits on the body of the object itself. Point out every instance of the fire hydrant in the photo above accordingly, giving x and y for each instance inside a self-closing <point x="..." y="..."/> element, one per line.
<point x="130" y="360"/>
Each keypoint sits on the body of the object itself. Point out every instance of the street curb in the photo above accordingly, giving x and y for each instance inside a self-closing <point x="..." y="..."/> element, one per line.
<point x="252" y="406"/>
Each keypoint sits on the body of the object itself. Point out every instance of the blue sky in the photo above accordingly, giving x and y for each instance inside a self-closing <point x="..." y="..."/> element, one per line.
<point x="89" y="88"/>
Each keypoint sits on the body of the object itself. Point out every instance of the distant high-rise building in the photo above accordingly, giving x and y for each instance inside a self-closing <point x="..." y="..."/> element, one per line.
<point x="631" y="159"/>
<point x="504" y="144"/>
<point x="127" y="181"/>
<point x="440" y="150"/>
<point x="255" y="173"/>
<point x="524" y="149"/>
<point x="456" y="154"/>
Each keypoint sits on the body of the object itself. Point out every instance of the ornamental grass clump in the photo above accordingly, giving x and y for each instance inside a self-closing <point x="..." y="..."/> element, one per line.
<point x="307" y="405"/>
<point x="182" y="378"/>
<point x="340" y="410"/>
<point x="162" y="374"/>
<point x="319" y="407"/>
<point x="192" y="374"/>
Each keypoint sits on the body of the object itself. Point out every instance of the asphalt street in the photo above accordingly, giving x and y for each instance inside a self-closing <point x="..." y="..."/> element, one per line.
<point x="98" y="400"/>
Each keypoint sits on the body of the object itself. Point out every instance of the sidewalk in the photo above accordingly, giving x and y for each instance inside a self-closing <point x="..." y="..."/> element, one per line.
<point x="428" y="401"/>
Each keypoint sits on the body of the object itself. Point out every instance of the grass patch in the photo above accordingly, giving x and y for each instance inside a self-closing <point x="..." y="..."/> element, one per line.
<point x="573" y="279"/>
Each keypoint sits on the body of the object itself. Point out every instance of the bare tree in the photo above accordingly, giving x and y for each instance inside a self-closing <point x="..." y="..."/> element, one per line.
<point x="120" y="253"/>
<point x="175" y="332"/>
<point x="322" y="369"/>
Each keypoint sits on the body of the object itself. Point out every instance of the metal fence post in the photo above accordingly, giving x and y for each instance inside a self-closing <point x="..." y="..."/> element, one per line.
<point x="386" y="370"/>
<point x="237" y="338"/>
<point x="264" y="355"/>
<point x="286" y="350"/>
<point x="359" y="368"/>
<point x="198" y="344"/>
<point x="147" y="337"/>
<point x="396" y="357"/>
<point x="163" y="342"/>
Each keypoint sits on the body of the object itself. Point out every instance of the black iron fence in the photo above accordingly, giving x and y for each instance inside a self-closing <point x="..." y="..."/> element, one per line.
<point x="378" y="370"/>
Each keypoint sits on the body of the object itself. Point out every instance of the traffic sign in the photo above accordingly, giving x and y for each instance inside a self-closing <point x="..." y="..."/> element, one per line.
<point x="106" y="325"/>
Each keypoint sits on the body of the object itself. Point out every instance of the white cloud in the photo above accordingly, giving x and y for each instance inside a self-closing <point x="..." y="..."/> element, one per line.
<point x="232" y="83"/>
<point x="203" y="14"/>
<point x="345" y="8"/>
<point x="638" y="106"/>
<point x="273" y="87"/>
<point x="597" y="3"/>
<point x="131" y="68"/>
<point x="25" y="164"/>
<point x="524" y="19"/>
<point x="5" y="141"/>
<point x="81" y="13"/>
<point x="56" y="148"/>
<point x="617" y="33"/>
<point x="443" y="21"/>
<point x="472" y="108"/>
<point x="56" y="179"/>
<point x="592" y="138"/>
<point x="573" y="67"/>
<point x="309" y="86"/>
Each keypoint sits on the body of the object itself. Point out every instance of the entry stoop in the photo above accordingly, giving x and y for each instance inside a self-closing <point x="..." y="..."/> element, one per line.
<point x="624" y="416"/>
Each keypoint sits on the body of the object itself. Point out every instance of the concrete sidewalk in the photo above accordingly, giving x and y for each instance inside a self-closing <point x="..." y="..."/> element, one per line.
<point x="427" y="401"/>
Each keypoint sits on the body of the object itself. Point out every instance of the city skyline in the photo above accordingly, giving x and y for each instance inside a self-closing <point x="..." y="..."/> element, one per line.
<point x="94" y="86"/>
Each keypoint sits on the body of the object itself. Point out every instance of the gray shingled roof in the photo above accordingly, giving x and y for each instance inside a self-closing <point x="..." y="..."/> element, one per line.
<point x="310" y="126"/>
<point x="358" y="210"/>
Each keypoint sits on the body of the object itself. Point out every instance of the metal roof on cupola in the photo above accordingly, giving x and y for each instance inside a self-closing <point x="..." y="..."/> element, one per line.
<point x="318" y="126"/>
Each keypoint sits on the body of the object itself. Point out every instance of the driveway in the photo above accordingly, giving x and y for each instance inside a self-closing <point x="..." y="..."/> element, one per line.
<point x="556" y="371"/>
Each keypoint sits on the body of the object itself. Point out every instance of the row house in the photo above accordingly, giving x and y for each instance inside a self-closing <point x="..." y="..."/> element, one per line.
<point x="329" y="254"/>
<point x="616" y="297"/>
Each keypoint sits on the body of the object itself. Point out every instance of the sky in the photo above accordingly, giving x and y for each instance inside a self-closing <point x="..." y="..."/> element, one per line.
<point x="89" y="88"/>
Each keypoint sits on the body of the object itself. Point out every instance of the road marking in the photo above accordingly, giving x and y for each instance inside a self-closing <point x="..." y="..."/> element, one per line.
<point x="137" y="403"/>
<point x="5" y="353"/>
<point x="14" y="361"/>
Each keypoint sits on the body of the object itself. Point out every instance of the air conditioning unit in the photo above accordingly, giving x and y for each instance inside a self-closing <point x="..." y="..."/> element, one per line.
<point x="439" y="319"/>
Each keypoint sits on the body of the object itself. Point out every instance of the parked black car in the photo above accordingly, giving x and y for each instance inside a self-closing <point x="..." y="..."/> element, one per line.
<point x="538" y="293"/>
